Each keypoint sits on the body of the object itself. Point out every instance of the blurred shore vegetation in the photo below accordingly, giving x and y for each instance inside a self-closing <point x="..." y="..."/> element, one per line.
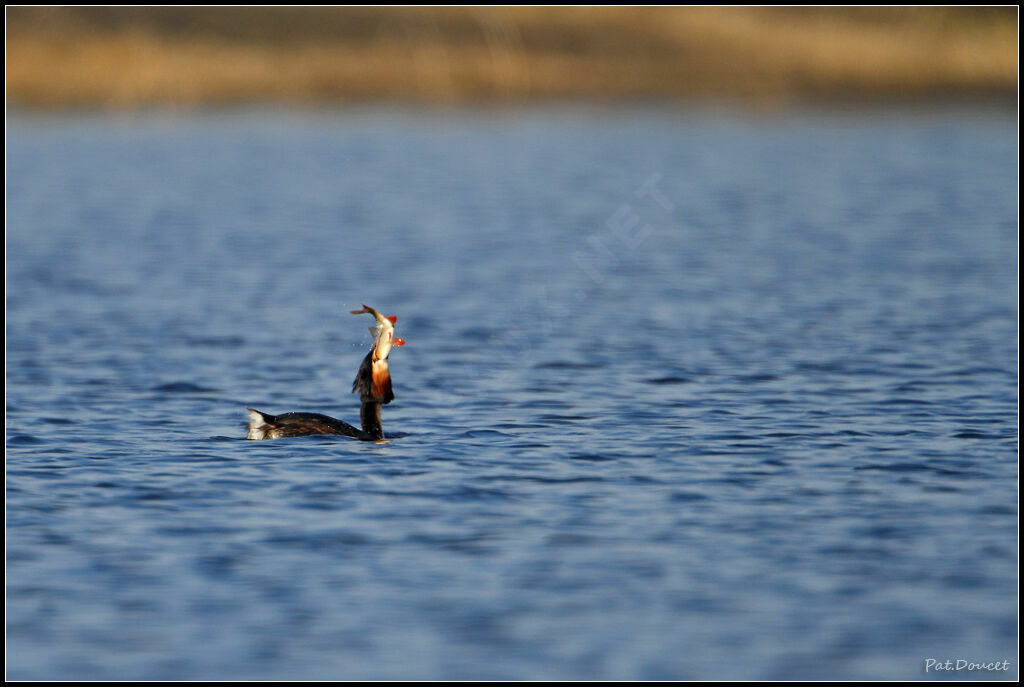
<point x="124" y="57"/>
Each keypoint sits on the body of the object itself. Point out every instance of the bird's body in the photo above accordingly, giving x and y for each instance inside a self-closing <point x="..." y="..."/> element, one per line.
<point x="265" y="426"/>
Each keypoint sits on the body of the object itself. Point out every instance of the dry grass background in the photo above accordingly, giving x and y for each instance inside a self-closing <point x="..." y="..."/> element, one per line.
<point x="187" y="56"/>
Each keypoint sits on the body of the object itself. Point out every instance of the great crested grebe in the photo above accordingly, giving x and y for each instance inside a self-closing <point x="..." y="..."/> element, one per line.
<point x="373" y="382"/>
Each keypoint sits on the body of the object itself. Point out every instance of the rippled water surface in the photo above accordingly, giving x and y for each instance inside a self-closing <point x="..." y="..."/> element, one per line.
<point x="686" y="394"/>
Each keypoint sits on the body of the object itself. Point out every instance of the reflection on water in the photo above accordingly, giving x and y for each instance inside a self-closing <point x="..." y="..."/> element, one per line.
<point x="685" y="396"/>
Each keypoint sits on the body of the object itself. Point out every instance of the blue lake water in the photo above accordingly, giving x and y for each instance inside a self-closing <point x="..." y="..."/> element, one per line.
<point x="687" y="394"/>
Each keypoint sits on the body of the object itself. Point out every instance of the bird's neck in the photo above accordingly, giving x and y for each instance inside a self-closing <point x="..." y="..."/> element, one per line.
<point x="369" y="417"/>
